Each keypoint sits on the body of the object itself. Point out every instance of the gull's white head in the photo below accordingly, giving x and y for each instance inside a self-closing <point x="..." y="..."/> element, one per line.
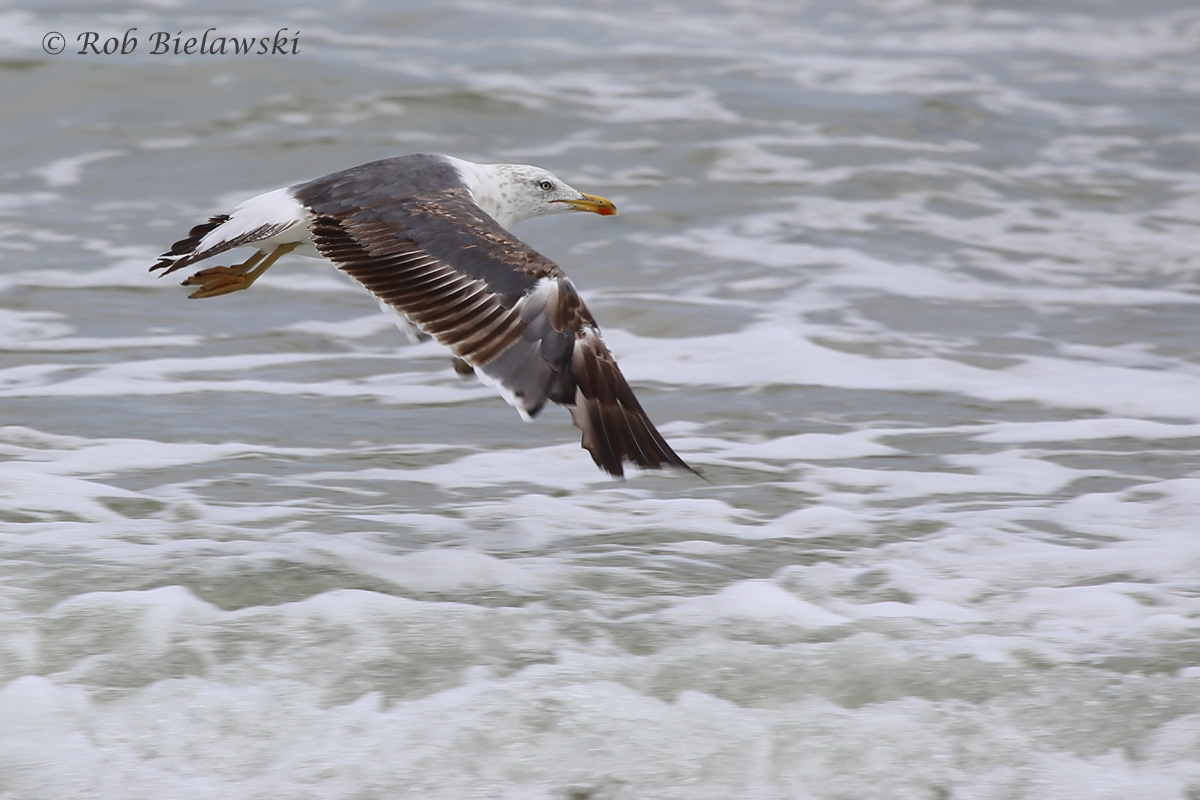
<point x="510" y="193"/>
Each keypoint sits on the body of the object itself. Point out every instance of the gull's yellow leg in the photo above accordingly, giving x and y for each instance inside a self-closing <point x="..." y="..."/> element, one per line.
<point x="216" y="281"/>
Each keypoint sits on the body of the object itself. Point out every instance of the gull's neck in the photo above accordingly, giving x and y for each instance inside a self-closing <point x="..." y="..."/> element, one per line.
<point x="489" y="189"/>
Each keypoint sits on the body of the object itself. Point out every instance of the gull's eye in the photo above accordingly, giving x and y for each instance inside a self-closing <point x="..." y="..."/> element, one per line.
<point x="545" y="186"/>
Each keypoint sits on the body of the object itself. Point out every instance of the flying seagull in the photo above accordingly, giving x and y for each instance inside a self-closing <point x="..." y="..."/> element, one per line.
<point x="428" y="236"/>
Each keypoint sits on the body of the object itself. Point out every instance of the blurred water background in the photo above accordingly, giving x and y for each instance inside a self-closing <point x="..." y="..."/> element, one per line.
<point x="913" y="282"/>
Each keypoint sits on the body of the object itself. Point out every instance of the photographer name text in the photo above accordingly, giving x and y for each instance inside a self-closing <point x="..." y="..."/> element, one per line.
<point x="159" y="43"/>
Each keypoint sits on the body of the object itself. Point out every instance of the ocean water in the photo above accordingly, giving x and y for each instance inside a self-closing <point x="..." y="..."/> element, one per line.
<point x="913" y="283"/>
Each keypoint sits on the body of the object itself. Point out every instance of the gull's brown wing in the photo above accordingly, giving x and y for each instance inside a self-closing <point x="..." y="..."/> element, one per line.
<point x="497" y="304"/>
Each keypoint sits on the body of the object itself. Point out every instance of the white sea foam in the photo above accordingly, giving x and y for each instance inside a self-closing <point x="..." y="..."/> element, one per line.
<point x="753" y="602"/>
<point x="68" y="171"/>
<point x="751" y="358"/>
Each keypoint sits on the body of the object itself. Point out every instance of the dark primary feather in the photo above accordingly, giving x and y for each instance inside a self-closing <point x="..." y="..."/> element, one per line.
<point x="499" y="306"/>
<point x="184" y="253"/>
<point x="180" y="254"/>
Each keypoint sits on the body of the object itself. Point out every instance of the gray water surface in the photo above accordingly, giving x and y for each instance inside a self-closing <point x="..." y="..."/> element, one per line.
<point x="912" y="283"/>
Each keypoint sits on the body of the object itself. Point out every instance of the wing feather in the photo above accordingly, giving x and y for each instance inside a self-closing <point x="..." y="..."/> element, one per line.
<point x="499" y="306"/>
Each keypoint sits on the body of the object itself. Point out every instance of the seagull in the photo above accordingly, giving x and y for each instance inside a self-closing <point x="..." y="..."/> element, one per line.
<point x="428" y="236"/>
